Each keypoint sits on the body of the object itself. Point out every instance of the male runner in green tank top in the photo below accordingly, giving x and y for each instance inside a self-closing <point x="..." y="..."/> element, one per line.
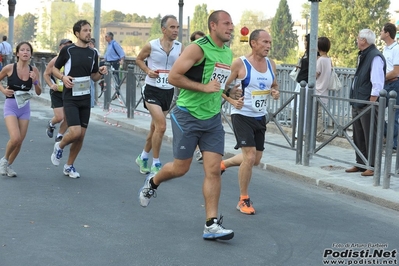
<point x="201" y="72"/>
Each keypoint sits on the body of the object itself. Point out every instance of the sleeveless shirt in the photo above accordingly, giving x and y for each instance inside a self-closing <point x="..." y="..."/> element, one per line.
<point x="160" y="60"/>
<point x="200" y="104"/>
<point x="254" y="81"/>
<point x="16" y="84"/>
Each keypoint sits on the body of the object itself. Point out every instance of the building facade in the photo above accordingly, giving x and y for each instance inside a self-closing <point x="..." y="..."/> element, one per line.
<point x="124" y="30"/>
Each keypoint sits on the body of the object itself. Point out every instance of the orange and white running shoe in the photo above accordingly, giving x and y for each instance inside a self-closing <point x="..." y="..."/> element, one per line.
<point x="222" y="167"/>
<point x="245" y="206"/>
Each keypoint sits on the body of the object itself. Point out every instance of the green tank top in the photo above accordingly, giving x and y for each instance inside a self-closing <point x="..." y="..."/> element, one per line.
<point x="215" y="62"/>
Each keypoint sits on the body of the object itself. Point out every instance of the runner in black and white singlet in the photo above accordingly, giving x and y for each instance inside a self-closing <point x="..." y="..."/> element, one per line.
<point x="80" y="64"/>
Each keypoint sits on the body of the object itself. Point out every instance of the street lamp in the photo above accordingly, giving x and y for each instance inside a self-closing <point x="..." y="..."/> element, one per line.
<point x="11" y="10"/>
<point x="181" y="4"/>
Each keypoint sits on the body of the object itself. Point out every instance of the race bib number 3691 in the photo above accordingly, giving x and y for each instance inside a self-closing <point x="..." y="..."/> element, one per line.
<point x="221" y="73"/>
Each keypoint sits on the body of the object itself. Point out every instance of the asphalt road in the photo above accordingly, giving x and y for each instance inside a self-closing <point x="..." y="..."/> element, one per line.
<point x="49" y="219"/>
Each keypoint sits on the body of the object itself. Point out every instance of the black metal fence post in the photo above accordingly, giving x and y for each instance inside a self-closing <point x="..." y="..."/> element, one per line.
<point x="130" y="91"/>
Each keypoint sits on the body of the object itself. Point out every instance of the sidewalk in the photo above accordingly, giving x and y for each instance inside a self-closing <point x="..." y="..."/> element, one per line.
<point x="324" y="173"/>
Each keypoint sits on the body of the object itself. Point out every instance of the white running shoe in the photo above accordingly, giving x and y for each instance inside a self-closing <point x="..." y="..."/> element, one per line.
<point x="71" y="171"/>
<point x="57" y="154"/>
<point x="217" y="231"/>
<point x="11" y="172"/>
<point x="198" y="156"/>
<point x="3" y="166"/>
<point x="146" y="192"/>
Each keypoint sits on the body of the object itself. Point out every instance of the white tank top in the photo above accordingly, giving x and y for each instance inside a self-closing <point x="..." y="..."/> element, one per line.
<point x="256" y="89"/>
<point x="161" y="61"/>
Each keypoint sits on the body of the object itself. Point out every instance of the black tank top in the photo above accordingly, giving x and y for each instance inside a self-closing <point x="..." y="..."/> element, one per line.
<point x="16" y="84"/>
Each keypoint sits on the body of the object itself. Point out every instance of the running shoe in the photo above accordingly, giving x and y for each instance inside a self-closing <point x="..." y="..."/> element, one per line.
<point x="143" y="164"/>
<point x="222" y="167"/>
<point x="155" y="168"/>
<point x="217" y="231"/>
<point x="3" y="166"/>
<point x="57" y="154"/>
<point x="58" y="139"/>
<point x="50" y="130"/>
<point x="146" y="192"/>
<point x="71" y="171"/>
<point x="198" y="156"/>
<point x="245" y="206"/>
<point x="11" y="172"/>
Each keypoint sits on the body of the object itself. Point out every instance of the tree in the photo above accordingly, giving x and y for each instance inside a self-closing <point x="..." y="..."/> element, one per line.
<point x="87" y="12"/>
<point x="56" y="23"/>
<point x="251" y="20"/>
<point x="112" y="16"/>
<point x="200" y="19"/>
<point x="305" y="10"/>
<point x="3" y="25"/>
<point x="24" y="27"/>
<point x="132" y="45"/>
<point x="284" y="38"/>
<point x="156" y="31"/>
<point x="136" y="18"/>
<point x="342" y="21"/>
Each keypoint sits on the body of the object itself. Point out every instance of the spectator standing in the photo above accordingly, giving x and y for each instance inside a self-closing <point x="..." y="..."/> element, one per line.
<point x="160" y="54"/>
<point x="201" y="72"/>
<point x="303" y="75"/>
<point x="80" y="63"/>
<point x="391" y="54"/>
<point x="56" y="88"/>
<point x="323" y="75"/>
<point x="256" y="74"/>
<point x="367" y="83"/>
<point x="21" y="78"/>
<point x="6" y="51"/>
<point x="114" y="54"/>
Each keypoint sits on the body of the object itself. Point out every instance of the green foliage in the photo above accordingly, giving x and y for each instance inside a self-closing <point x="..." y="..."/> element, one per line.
<point x="251" y="20"/>
<point x="131" y="44"/>
<point x="156" y="31"/>
<point x="200" y="19"/>
<point x="63" y="16"/>
<point x="284" y="38"/>
<point x="305" y="10"/>
<point x="3" y="26"/>
<point x="24" y="28"/>
<point x="112" y="16"/>
<point x="87" y="12"/>
<point x="342" y="21"/>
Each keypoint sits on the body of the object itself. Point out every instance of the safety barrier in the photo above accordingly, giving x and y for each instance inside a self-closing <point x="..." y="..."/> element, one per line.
<point x="288" y="115"/>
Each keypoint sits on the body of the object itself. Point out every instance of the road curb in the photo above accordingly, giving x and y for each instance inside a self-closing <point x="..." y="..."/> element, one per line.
<point x="336" y="188"/>
<point x="312" y="180"/>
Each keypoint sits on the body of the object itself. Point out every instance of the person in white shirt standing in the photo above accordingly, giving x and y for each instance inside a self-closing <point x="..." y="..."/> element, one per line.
<point x="323" y="75"/>
<point x="6" y="51"/>
<point x="391" y="54"/>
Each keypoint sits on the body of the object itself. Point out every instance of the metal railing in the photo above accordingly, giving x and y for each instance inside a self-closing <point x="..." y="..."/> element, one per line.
<point x="337" y="115"/>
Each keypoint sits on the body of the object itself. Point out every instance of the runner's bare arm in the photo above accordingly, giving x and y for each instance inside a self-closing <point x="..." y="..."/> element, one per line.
<point x="192" y="54"/>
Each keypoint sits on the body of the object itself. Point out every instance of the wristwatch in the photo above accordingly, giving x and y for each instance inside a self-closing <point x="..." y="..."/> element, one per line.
<point x="227" y="92"/>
